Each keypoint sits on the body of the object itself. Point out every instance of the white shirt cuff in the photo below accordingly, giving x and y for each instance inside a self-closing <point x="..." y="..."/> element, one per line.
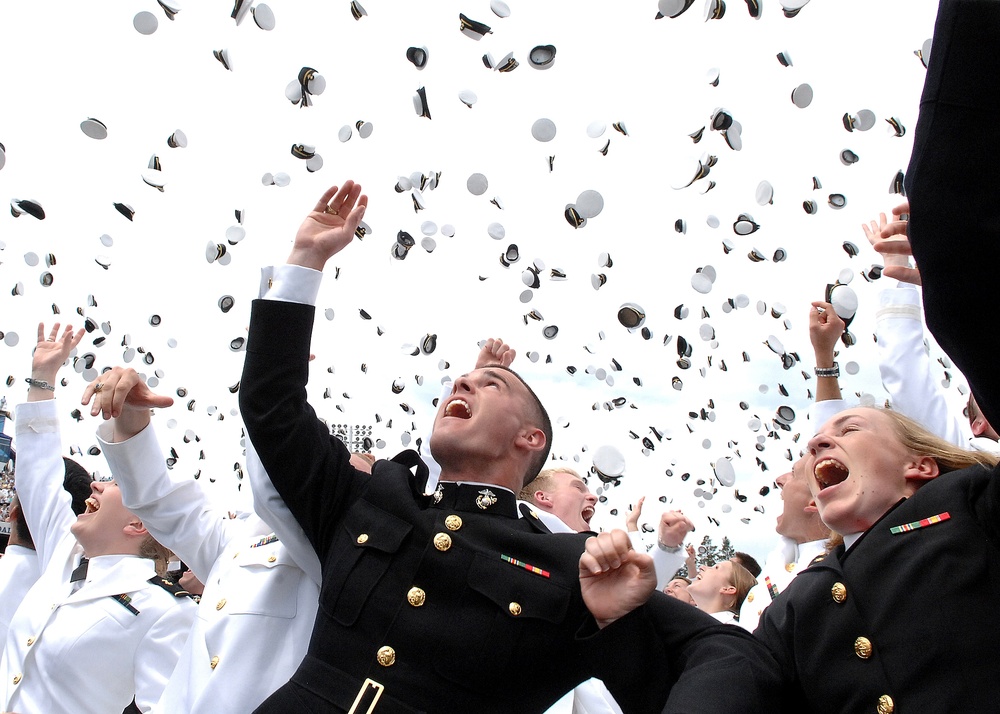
<point x="290" y="283"/>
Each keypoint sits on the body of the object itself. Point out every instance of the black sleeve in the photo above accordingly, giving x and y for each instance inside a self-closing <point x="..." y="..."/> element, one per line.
<point x="669" y="652"/>
<point x="952" y="182"/>
<point x="309" y="467"/>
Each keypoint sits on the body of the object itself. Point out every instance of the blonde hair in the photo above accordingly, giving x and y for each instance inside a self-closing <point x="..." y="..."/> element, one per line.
<point x="543" y="482"/>
<point x="918" y="441"/>
<point x="159" y="554"/>
<point x="743" y="580"/>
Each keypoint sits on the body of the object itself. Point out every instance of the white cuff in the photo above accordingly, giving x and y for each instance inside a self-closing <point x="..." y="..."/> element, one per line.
<point x="290" y="283"/>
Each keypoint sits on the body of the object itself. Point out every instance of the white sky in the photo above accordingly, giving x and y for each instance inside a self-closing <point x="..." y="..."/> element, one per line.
<point x="63" y="61"/>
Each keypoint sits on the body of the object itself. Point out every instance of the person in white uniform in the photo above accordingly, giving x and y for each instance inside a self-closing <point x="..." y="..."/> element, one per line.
<point x="258" y="606"/>
<point x="905" y="366"/>
<point x="93" y="641"/>
<point x="19" y="564"/>
<point x="664" y="546"/>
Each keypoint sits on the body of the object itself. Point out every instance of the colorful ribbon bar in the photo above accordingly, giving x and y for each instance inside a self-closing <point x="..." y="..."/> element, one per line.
<point x="923" y="523"/>
<point x="521" y="564"/>
<point x="771" y="588"/>
<point x="265" y="540"/>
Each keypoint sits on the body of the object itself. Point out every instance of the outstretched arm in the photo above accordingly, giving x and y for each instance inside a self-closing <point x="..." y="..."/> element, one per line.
<point x="40" y="469"/>
<point x="903" y="362"/>
<point x="666" y="651"/>
<point x="309" y="468"/>
<point x="954" y="225"/>
<point x="174" y="509"/>
<point x="825" y="328"/>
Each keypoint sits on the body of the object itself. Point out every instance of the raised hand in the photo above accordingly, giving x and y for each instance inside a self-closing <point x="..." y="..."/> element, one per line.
<point x="329" y="227"/>
<point x="50" y="354"/>
<point x="674" y="527"/>
<point x="825" y="328"/>
<point x="632" y="520"/>
<point x="614" y="578"/>
<point x="889" y="239"/>
<point x="120" y="393"/>
<point x="495" y="351"/>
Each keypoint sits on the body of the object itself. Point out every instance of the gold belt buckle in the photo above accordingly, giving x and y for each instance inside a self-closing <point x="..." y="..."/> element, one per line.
<point x="379" y="688"/>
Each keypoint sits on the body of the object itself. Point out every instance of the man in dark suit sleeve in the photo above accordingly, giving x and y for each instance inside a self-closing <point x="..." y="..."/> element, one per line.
<point x="952" y="182"/>
<point x="445" y="603"/>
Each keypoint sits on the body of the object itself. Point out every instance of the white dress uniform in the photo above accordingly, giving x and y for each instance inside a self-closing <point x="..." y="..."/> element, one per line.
<point x="905" y="367"/>
<point x="257" y="611"/>
<point x="782" y="564"/>
<point x="666" y="561"/>
<point x="18" y="572"/>
<point x="93" y="648"/>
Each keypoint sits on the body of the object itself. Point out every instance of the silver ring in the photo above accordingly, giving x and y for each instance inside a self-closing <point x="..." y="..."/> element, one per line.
<point x="99" y="386"/>
<point x="51" y="339"/>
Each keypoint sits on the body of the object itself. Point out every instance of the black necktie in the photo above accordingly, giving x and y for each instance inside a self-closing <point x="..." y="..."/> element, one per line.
<point x="80" y="572"/>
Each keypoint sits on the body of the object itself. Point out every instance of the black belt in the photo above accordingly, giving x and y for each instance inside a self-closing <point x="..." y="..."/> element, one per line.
<point x="346" y="692"/>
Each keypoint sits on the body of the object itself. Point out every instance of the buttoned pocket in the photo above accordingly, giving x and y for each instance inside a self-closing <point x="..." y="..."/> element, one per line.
<point x="364" y="549"/>
<point x="506" y="608"/>
<point x="265" y="582"/>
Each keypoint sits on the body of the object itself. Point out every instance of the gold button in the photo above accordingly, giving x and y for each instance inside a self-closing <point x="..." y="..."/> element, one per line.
<point x="515" y="609"/>
<point x="790" y="567"/>
<point x="272" y="558"/>
<point x="386" y="656"/>
<point x="221" y="604"/>
<point x="442" y="541"/>
<point x="214" y="663"/>
<point x="749" y="597"/>
<point x="863" y="647"/>
<point x="453" y="523"/>
<point x="416" y="597"/>
<point x="885" y="705"/>
<point x="17" y="678"/>
<point x="362" y="539"/>
<point x="839" y="592"/>
<point x="31" y="641"/>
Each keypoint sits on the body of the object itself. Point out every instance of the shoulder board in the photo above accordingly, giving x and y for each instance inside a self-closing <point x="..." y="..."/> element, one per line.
<point x="531" y="517"/>
<point x="169" y="585"/>
<point x="410" y="459"/>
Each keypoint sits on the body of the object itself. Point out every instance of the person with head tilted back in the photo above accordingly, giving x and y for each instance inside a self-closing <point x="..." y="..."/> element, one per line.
<point x="89" y="636"/>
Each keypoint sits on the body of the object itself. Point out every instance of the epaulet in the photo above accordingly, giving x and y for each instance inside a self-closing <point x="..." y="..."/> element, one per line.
<point x="169" y="585"/>
<point x="410" y="459"/>
<point x="531" y="517"/>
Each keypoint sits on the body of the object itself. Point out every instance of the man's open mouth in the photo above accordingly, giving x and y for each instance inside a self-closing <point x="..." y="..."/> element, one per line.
<point x="458" y="408"/>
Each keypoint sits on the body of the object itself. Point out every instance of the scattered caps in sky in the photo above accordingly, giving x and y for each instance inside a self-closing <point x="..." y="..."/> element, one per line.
<point x="695" y="391"/>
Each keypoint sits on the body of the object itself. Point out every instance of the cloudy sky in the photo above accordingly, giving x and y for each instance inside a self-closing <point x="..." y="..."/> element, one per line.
<point x="64" y="62"/>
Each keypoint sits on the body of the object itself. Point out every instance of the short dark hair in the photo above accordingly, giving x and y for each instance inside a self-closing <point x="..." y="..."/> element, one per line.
<point x="748" y="562"/>
<point x="543" y="423"/>
<point x="77" y="483"/>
